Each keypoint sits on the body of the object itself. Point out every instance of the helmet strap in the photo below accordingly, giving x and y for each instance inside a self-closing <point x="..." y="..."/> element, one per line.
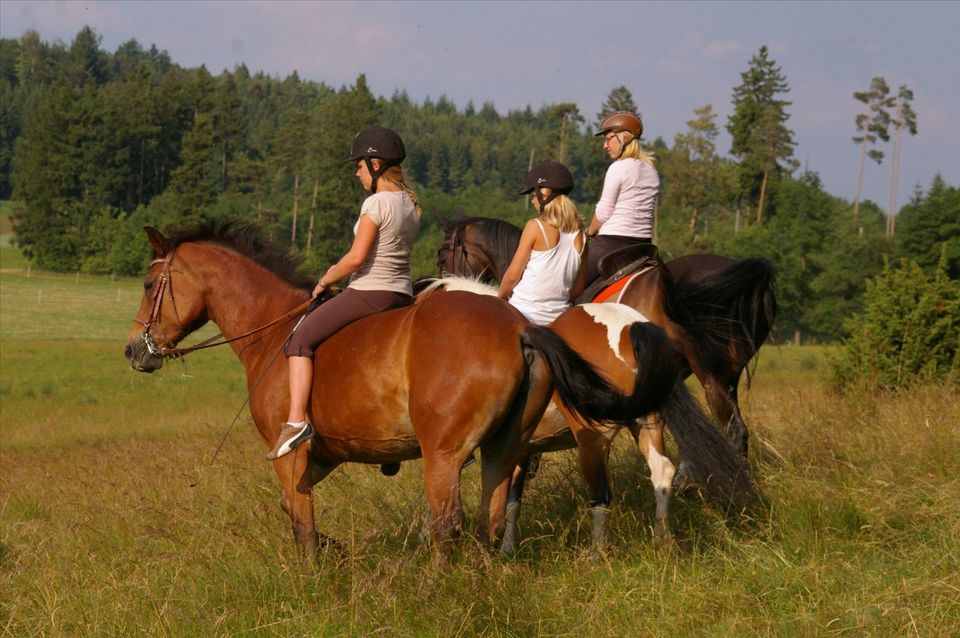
<point x="374" y="174"/>
<point x="543" y="201"/>
<point x="623" y="145"/>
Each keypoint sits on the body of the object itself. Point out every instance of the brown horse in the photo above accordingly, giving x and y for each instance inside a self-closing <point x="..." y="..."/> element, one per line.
<point x="716" y="311"/>
<point x="639" y="359"/>
<point x="390" y="387"/>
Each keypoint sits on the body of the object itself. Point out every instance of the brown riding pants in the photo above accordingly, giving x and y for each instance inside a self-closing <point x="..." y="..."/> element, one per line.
<point x="603" y="245"/>
<point x="334" y="314"/>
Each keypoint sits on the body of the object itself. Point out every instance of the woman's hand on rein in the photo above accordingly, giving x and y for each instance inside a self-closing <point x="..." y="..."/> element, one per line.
<point x="319" y="288"/>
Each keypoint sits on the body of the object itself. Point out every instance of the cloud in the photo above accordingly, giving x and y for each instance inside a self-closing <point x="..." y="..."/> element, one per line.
<point x="693" y="54"/>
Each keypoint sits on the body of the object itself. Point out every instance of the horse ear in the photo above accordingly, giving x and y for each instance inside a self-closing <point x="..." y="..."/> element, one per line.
<point x="157" y="241"/>
<point x="444" y="223"/>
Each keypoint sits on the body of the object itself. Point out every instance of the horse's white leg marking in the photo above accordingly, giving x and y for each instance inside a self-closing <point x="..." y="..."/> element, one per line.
<point x="661" y="475"/>
<point x="614" y="317"/>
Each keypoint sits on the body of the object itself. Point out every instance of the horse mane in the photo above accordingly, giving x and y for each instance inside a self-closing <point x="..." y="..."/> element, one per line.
<point x="248" y="239"/>
<point x="451" y="282"/>
<point x="502" y="236"/>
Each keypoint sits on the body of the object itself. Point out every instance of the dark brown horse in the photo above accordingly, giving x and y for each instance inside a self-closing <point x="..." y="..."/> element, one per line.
<point x="390" y="387"/>
<point x="639" y="359"/>
<point x="717" y="311"/>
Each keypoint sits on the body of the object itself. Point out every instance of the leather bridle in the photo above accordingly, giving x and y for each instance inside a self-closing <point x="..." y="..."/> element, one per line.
<point x="164" y="282"/>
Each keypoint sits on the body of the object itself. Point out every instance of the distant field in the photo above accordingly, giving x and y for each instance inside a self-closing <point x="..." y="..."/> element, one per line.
<point x="101" y="532"/>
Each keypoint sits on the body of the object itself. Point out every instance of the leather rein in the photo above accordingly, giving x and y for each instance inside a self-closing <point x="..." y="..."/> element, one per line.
<point x="162" y="284"/>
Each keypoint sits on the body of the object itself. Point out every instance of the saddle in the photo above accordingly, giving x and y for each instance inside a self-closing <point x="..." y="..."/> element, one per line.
<point x="615" y="267"/>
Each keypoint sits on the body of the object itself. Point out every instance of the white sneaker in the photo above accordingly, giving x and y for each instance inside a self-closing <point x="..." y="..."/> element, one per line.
<point x="291" y="436"/>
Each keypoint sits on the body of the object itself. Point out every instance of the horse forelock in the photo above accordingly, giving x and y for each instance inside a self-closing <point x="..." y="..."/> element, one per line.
<point x="247" y="239"/>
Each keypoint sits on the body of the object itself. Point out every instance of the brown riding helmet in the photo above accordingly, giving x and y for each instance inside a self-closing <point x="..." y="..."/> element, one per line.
<point x="622" y="122"/>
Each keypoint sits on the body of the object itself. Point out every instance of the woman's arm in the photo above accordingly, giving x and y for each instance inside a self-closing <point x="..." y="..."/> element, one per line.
<point x="520" y="258"/>
<point x="608" y="200"/>
<point x="580" y="281"/>
<point x="362" y="245"/>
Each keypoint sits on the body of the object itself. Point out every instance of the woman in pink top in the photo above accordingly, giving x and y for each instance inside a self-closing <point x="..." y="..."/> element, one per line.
<point x="547" y="270"/>
<point x="624" y="214"/>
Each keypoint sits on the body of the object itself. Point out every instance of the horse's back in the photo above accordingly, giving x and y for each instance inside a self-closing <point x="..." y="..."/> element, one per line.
<point x="384" y="380"/>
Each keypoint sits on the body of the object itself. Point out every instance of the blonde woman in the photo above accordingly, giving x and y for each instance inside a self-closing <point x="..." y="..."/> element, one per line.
<point x="547" y="271"/>
<point x="624" y="214"/>
<point x="378" y="264"/>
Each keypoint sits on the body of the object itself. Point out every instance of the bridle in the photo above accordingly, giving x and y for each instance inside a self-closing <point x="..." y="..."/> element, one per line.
<point x="164" y="282"/>
<point x="451" y="244"/>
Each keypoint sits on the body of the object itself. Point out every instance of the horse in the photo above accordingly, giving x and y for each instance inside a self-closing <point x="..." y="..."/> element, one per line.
<point x="390" y="387"/>
<point x="716" y="310"/>
<point x="640" y="360"/>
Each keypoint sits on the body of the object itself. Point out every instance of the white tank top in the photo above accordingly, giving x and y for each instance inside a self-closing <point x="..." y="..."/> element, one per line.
<point x="543" y="292"/>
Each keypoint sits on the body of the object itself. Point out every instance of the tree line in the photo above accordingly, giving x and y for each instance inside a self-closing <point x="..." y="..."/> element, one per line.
<point x="94" y="145"/>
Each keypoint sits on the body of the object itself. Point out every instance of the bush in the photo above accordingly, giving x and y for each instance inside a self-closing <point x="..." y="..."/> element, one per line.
<point x="909" y="332"/>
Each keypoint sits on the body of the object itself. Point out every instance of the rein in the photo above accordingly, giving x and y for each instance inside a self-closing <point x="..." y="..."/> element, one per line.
<point x="157" y="299"/>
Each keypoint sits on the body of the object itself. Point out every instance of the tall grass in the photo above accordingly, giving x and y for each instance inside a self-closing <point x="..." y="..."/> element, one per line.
<point x="102" y="533"/>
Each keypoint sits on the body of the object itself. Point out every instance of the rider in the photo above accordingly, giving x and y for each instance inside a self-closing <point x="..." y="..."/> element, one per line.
<point x="624" y="214"/>
<point x="547" y="270"/>
<point x="378" y="264"/>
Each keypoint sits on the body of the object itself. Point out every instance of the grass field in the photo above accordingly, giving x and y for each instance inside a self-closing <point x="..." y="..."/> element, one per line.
<point x="101" y="532"/>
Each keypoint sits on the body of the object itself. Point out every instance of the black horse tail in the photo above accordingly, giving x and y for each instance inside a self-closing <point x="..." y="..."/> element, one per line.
<point x="713" y="462"/>
<point x="722" y="473"/>
<point x="582" y="388"/>
<point x="736" y="304"/>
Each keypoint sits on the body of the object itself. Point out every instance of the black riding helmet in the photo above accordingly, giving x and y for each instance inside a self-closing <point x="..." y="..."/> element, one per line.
<point x="548" y="174"/>
<point x="377" y="142"/>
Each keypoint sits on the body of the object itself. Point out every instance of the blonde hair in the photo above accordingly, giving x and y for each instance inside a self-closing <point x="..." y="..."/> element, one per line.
<point x="395" y="176"/>
<point x="562" y="213"/>
<point x="633" y="150"/>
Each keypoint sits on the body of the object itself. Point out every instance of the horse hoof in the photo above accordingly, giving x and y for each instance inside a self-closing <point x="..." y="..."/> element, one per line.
<point x="389" y="469"/>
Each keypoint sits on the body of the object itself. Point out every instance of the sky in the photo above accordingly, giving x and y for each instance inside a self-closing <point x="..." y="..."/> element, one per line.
<point x="674" y="57"/>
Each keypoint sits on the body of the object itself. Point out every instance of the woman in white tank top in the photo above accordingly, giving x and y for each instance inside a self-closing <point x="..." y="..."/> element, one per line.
<point x="547" y="271"/>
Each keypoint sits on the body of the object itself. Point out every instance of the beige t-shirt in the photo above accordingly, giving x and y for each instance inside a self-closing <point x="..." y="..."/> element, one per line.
<point x="388" y="265"/>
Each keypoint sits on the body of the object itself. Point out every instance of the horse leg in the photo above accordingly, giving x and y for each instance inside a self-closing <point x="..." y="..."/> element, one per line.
<point x="442" y="487"/>
<point x="649" y="438"/>
<point x="721" y="396"/>
<point x="593" y="451"/>
<point x="520" y="475"/>
<point x="297" y="478"/>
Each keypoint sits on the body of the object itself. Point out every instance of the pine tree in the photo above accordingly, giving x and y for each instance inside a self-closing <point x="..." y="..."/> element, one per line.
<point x="761" y="139"/>
<point x="871" y="125"/>
<point x="619" y="100"/>
<point x="904" y="117"/>
<point x="697" y="154"/>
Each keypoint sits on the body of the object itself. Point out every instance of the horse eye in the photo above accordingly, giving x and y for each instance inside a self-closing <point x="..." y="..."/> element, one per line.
<point x="148" y="285"/>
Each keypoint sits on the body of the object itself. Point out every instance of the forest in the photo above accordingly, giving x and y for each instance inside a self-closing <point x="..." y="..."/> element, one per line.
<point x="95" y="145"/>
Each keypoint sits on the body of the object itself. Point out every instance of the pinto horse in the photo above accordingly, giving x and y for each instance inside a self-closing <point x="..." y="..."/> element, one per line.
<point x="717" y="311"/>
<point x="390" y="387"/>
<point x="638" y="358"/>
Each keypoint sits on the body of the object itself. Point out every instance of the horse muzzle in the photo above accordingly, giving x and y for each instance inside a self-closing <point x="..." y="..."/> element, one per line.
<point x="143" y="357"/>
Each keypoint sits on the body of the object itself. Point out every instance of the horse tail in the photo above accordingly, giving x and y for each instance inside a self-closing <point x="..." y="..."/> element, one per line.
<point x="582" y="389"/>
<point x="709" y="457"/>
<point x="735" y="304"/>
<point x="658" y="387"/>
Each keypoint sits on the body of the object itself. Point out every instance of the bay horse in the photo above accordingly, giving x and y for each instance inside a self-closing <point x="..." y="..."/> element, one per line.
<point x="393" y="386"/>
<point x="640" y="360"/>
<point x="717" y="311"/>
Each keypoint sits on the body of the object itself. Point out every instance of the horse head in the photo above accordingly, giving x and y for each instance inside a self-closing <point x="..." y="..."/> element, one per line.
<point x="163" y="319"/>
<point x="463" y="252"/>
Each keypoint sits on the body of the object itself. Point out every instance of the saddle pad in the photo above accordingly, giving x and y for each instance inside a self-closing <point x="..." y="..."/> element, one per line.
<point x="616" y="287"/>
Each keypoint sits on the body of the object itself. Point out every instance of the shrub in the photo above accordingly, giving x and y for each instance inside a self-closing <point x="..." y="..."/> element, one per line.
<point x="908" y="333"/>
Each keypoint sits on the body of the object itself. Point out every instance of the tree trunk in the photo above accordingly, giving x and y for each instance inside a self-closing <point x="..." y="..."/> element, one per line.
<point x="736" y="222"/>
<point x="296" y="206"/>
<point x="763" y="195"/>
<point x="894" y="177"/>
<point x="313" y="212"/>
<point x="863" y="158"/>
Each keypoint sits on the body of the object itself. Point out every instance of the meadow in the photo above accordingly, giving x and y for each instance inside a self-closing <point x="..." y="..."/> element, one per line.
<point x="114" y="521"/>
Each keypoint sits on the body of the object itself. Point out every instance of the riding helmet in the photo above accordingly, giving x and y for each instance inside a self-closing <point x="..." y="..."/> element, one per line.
<point x="379" y="142"/>
<point x="548" y="174"/>
<point x="621" y="122"/>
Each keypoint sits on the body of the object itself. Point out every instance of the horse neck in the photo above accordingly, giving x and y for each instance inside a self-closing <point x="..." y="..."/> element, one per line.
<point x="498" y="258"/>
<point x="241" y="295"/>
